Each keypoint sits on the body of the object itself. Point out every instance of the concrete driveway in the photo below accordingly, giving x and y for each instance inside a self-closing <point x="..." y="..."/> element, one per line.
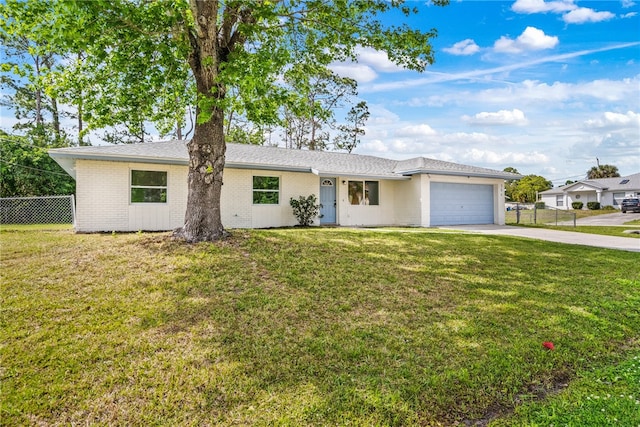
<point x="617" y="218"/>
<point x="570" y="237"/>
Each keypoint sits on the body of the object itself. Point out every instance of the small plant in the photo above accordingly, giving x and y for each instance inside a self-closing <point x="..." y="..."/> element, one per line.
<point x="577" y="205"/>
<point x="305" y="209"/>
<point x="608" y="208"/>
<point x="593" y="206"/>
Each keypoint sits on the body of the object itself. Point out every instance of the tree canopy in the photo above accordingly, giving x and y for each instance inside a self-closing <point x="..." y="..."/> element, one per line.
<point x="152" y="58"/>
<point x="27" y="170"/>
<point x="527" y="189"/>
<point x="603" y="171"/>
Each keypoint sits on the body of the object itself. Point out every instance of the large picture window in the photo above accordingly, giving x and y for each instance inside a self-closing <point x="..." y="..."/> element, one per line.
<point x="148" y="187"/>
<point x="364" y="192"/>
<point x="266" y="190"/>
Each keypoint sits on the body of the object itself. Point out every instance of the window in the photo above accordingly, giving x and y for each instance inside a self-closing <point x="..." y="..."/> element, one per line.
<point x="148" y="187"/>
<point x="559" y="200"/>
<point x="363" y="192"/>
<point x="266" y="190"/>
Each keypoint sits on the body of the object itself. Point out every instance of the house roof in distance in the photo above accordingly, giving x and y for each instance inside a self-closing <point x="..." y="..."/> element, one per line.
<point x="622" y="183"/>
<point x="244" y="156"/>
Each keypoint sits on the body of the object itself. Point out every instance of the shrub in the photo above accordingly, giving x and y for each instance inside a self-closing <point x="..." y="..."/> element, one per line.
<point x="540" y="205"/>
<point x="305" y="209"/>
<point x="577" y="205"/>
<point x="594" y="206"/>
<point x="608" y="208"/>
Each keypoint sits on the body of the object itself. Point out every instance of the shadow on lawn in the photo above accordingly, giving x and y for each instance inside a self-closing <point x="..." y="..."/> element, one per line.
<point x="337" y="327"/>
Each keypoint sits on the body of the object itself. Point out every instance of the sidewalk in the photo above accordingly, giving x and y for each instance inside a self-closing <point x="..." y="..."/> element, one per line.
<point x="570" y="237"/>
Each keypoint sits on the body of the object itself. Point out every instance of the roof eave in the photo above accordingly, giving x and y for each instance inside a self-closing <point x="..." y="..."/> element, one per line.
<point x="462" y="173"/>
<point x="394" y="177"/>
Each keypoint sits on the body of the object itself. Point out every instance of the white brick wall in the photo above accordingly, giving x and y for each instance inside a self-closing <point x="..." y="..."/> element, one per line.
<point x="103" y="192"/>
<point x="366" y="215"/>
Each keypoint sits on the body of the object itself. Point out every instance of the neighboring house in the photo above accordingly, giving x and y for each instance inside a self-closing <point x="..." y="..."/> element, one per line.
<point x="144" y="187"/>
<point x="606" y="191"/>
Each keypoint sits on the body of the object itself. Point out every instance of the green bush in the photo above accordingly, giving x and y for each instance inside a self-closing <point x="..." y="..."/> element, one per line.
<point x="577" y="205"/>
<point x="608" y="208"/>
<point x="540" y="205"/>
<point x="594" y="206"/>
<point x="305" y="209"/>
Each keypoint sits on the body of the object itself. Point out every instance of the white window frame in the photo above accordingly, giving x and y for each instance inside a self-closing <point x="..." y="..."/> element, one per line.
<point x="560" y="201"/>
<point x="262" y="190"/>
<point x="153" y="187"/>
<point x="363" y="200"/>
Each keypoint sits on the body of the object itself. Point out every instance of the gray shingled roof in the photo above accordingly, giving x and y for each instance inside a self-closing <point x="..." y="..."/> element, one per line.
<point x="609" y="184"/>
<point x="274" y="158"/>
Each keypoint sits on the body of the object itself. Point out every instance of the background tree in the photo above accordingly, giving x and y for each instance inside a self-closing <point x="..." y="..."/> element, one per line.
<point x="142" y="50"/>
<point x="310" y="112"/>
<point x="350" y="133"/>
<point x="511" y="184"/>
<point x="30" y="59"/>
<point x="603" y="171"/>
<point x="527" y="189"/>
<point x="27" y="170"/>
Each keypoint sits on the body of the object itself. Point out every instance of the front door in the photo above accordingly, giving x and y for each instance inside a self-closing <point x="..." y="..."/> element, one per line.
<point x="328" y="200"/>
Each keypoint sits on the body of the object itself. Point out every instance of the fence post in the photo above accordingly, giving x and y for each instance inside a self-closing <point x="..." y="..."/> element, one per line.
<point x="535" y="214"/>
<point x="73" y="209"/>
<point x="517" y="213"/>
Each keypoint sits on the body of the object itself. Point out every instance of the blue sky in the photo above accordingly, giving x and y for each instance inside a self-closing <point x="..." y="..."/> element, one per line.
<point x="543" y="86"/>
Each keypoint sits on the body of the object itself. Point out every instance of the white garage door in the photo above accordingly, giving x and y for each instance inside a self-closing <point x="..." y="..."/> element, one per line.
<point x="453" y="204"/>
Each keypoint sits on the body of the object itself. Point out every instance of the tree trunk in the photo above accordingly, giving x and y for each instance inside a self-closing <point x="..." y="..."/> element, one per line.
<point x="38" y="93"/>
<point x="207" y="148"/>
<point x="56" y="120"/>
<point x="206" y="165"/>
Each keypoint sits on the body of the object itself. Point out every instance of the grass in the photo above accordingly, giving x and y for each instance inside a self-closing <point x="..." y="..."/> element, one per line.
<point x="547" y="219"/>
<point x="608" y="396"/>
<point x="306" y="327"/>
<point x="35" y="227"/>
<point x="605" y="230"/>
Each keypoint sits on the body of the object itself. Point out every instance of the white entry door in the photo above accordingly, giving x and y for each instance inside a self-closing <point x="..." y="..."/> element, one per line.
<point x="328" y="200"/>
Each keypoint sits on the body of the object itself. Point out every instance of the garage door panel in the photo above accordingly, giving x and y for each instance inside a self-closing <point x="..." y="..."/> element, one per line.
<point x="457" y="204"/>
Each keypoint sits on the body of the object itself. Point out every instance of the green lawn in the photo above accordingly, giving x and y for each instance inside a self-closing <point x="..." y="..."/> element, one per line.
<point x="314" y="327"/>
<point x="606" y="230"/>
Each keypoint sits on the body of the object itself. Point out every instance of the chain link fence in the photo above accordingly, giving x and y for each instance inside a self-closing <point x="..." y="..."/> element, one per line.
<point x="38" y="210"/>
<point x="532" y="214"/>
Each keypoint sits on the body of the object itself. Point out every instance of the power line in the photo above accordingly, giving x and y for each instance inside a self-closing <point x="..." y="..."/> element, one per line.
<point x="32" y="168"/>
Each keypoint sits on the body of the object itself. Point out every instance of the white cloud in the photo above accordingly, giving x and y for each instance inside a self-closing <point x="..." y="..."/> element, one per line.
<point x="629" y="15"/>
<point x="370" y="62"/>
<point x="540" y="6"/>
<point x="464" y="47"/>
<point x="359" y="72"/>
<point x="531" y="39"/>
<point x="416" y="130"/>
<point x="502" y="117"/>
<point x="583" y="14"/>
<point x="617" y="120"/>
<point x="475" y="156"/>
<point x="377" y="60"/>
<point x="374" y="146"/>
<point x="628" y="3"/>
